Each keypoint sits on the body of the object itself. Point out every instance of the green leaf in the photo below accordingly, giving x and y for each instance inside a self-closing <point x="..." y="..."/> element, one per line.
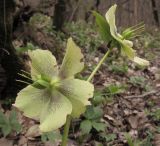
<point x="108" y="137"/>
<point x="86" y="126"/>
<point x="26" y="48"/>
<point x="98" y="98"/>
<point x="3" y="119"/>
<point x="14" y="122"/>
<point x="6" y="129"/>
<point x="98" y="126"/>
<point x="44" y="137"/>
<point x="72" y="62"/>
<point x="7" y="125"/>
<point x="129" y="140"/>
<point x="4" y="124"/>
<point x="138" y="81"/>
<point x="119" y="69"/>
<point x="93" y="113"/>
<point x="146" y="142"/>
<point x="51" y="136"/>
<point x="115" y="89"/>
<point x="103" y="27"/>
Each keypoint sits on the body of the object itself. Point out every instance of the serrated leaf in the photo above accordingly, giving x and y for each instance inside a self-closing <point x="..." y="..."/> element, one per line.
<point x="51" y="136"/>
<point x="44" y="137"/>
<point x="86" y="126"/>
<point x="99" y="126"/>
<point x="14" y="122"/>
<point x="98" y="98"/>
<point x="108" y="137"/>
<point x="3" y="119"/>
<point x="129" y="139"/>
<point x="93" y="113"/>
<point x="89" y="114"/>
<point x="17" y="127"/>
<point x="6" y="129"/>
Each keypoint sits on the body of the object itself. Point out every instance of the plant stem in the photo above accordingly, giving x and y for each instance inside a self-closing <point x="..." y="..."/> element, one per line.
<point x="68" y="121"/>
<point x="98" y="66"/>
<point x="66" y="131"/>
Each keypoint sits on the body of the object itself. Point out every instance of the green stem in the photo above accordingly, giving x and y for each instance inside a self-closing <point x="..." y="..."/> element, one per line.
<point x="68" y="121"/>
<point x="66" y="131"/>
<point x="98" y="66"/>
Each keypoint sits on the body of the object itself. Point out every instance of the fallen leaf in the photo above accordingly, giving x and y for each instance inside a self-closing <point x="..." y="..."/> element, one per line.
<point x="6" y="142"/>
<point x="33" y="131"/>
<point x="157" y="140"/>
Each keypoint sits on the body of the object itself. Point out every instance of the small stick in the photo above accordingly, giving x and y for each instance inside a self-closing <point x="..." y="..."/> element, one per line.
<point x="143" y="95"/>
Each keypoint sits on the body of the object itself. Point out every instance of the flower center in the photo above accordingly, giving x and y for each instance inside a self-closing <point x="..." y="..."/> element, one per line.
<point x="54" y="81"/>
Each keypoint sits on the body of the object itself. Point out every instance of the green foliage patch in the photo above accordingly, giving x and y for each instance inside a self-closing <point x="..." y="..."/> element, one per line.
<point x="9" y="124"/>
<point x="93" y="117"/>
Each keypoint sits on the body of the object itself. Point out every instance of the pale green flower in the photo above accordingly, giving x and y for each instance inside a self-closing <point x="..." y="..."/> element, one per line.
<point x="55" y="92"/>
<point x="109" y="32"/>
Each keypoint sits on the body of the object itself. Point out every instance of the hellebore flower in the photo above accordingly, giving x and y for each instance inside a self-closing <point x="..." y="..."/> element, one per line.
<point x="108" y="30"/>
<point x="55" y="92"/>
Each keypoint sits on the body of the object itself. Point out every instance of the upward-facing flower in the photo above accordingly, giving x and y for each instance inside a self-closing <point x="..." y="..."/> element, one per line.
<point x="109" y="33"/>
<point x="55" y="92"/>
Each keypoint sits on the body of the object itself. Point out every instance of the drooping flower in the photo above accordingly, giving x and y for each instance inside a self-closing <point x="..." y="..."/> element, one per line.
<point x="55" y="92"/>
<point x="108" y="30"/>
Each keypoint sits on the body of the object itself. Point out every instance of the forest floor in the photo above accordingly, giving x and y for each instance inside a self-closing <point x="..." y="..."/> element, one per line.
<point x="128" y="94"/>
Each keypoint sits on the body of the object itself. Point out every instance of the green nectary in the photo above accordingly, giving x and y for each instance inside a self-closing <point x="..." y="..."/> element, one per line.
<point x="55" y="92"/>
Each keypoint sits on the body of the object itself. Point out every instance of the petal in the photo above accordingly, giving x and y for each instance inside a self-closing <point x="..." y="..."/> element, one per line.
<point x="77" y="89"/>
<point x="43" y="63"/>
<point x="128" y="43"/>
<point x="72" y="61"/>
<point x="54" y="113"/>
<point x="77" y="107"/>
<point x="110" y="17"/>
<point x="141" y="61"/>
<point x="30" y="100"/>
<point x="127" y="50"/>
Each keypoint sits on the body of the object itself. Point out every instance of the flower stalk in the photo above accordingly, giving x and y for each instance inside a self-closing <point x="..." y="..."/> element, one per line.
<point x="98" y="66"/>
<point x="66" y="131"/>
